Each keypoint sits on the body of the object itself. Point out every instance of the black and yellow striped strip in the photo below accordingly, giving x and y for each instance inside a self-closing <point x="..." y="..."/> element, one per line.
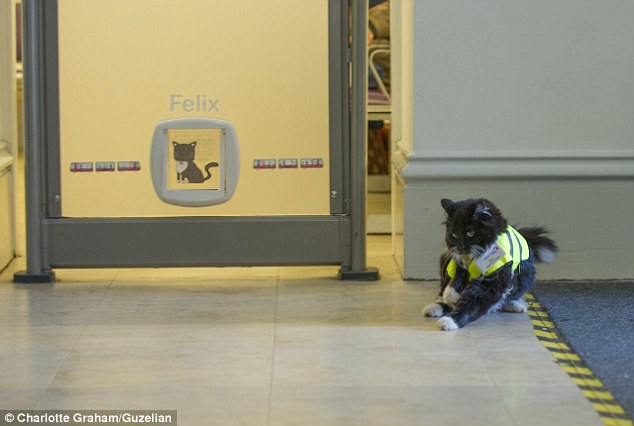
<point x="603" y="402"/>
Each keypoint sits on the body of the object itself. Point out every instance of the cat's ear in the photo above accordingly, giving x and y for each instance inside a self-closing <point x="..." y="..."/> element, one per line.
<point x="193" y="144"/>
<point x="483" y="210"/>
<point x="448" y="205"/>
<point x="174" y="144"/>
<point x="486" y="213"/>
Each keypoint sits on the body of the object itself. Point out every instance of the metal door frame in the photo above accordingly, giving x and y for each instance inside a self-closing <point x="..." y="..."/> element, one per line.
<point x="54" y="241"/>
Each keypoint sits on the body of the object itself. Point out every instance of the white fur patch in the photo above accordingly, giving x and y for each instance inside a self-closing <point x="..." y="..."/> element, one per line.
<point x="546" y="255"/>
<point x="447" y="324"/>
<point x="181" y="166"/>
<point x="450" y="296"/>
<point x="497" y="307"/>
<point x="518" y="306"/>
<point x="433" y="310"/>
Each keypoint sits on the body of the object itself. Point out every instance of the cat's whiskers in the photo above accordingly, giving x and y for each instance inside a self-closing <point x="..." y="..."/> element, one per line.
<point x="463" y="259"/>
<point x="477" y="251"/>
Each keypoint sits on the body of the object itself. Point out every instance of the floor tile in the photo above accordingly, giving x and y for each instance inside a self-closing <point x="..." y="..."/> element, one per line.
<point x="129" y="303"/>
<point x="195" y="404"/>
<point x="556" y="404"/>
<point x="31" y="356"/>
<point x="150" y="357"/>
<point x="387" y="405"/>
<point x="344" y="355"/>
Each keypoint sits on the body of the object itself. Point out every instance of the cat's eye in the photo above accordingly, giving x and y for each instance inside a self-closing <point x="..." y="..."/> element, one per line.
<point x="454" y="236"/>
<point x="470" y="234"/>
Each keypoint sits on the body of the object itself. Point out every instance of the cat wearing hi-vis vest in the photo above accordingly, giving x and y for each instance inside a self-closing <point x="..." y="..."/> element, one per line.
<point x="186" y="170"/>
<point x="487" y="265"/>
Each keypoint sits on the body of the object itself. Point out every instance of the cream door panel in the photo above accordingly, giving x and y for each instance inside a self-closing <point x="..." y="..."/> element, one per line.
<point x="127" y="65"/>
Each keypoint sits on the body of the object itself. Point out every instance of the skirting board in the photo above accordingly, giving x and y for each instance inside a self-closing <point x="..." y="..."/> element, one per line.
<point x="487" y="165"/>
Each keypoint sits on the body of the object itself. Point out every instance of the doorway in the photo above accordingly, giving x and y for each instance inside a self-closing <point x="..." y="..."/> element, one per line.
<point x="379" y="218"/>
<point x="99" y="211"/>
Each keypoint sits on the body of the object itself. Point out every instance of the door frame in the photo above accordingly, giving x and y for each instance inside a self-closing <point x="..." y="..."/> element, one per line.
<point x="54" y="241"/>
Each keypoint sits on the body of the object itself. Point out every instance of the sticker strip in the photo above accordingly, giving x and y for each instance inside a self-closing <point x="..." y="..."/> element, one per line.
<point x="311" y="163"/>
<point x="610" y="411"/>
<point x="287" y="163"/>
<point x="104" y="166"/>
<point x="128" y="166"/>
<point x="85" y="166"/>
<point x="265" y="163"/>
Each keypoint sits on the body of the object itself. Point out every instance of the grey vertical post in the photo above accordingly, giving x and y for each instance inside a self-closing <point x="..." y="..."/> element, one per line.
<point x="338" y="97"/>
<point x="35" y="131"/>
<point x="359" y="127"/>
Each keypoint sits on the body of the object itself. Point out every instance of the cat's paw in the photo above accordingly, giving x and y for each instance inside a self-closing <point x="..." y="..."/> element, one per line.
<point x="450" y="296"/>
<point x="447" y="324"/>
<point x="517" y="306"/>
<point x="433" y="310"/>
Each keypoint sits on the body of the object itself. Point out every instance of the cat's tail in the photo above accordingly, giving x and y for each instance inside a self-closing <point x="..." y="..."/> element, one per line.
<point x="207" y="167"/>
<point x="545" y="248"/>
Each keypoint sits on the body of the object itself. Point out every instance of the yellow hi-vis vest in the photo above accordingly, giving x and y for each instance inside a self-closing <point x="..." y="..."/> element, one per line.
<point x="515" y="250"/>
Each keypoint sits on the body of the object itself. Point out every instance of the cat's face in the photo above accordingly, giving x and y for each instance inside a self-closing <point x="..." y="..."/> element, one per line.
<point x="184" y="151"/>
<point x="471" y="226"/>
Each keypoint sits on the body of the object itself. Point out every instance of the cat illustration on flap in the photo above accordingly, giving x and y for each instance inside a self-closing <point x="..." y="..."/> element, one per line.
<point x="196" y="153"/>
<point x="195" y="161"/>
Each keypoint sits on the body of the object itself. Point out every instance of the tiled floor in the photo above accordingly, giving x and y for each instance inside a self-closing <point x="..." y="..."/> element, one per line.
<point x="272" y="346"/>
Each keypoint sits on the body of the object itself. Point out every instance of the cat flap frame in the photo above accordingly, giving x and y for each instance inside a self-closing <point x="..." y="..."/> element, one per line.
<point x="216" y="140"/>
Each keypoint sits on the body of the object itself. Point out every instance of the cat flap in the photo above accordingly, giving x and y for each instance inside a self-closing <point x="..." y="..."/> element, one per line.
<point x="194" y="161"/>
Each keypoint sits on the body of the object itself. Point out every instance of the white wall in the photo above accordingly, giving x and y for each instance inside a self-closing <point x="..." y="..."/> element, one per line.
<point x="530" y="104"/>
<point x="536" y="75"/>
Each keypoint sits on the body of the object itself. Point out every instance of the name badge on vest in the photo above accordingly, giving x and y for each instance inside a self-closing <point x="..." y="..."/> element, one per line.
<point x="488" y="259"/>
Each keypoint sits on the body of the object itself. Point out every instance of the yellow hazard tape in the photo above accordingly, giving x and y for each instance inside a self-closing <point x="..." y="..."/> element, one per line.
<point x="565" y="356"/>
<point x="611" y="413"/>
<point x="546" y="334"/>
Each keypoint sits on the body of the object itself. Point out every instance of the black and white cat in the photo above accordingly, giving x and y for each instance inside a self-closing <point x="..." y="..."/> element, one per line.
<point x="186" y="169"/>
<point x="487" y="266"/>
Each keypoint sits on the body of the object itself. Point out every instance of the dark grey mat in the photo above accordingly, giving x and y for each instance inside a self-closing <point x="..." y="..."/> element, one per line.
<point x="597" y="321"/>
